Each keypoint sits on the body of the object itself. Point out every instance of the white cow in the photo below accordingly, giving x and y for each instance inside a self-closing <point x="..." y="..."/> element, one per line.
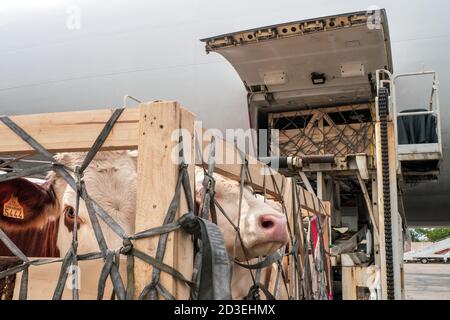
<point x="111" y="181"/>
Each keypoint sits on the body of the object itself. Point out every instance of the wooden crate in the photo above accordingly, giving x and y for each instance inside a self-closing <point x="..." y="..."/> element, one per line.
<point x="147" y="128"/>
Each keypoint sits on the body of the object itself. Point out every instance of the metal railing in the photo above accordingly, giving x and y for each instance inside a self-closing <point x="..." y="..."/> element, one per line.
<point x="433" y="107"/>
<point x="384" y="78"/>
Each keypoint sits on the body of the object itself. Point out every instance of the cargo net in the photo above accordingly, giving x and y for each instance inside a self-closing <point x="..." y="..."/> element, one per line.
<point x="339" y="131"/>
<point x="302" y="267"/>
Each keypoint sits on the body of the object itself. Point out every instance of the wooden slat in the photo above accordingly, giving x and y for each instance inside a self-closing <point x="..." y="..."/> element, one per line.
<point x="184" y="250"/>
<point x="301" y="240"/>
<point x="291" y="210"/>
<point x="270" y="277"/>
<point x="326" y="243"/>
<point x="290" y="205"/>
<point x="352" y="278"/>
<point x="42" y="280"/>
<point x="71" y="131"/>
<point x="349" y="284"/>
<point x="157" y="176"/>
<point x="328" y="110"/>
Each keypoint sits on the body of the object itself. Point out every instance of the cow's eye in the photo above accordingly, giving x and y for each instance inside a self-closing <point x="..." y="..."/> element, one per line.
<point x="69" y="211"/>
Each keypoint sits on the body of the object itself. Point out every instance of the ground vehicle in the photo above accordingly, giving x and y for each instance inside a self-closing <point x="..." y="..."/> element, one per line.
<point x="437" y="252"/>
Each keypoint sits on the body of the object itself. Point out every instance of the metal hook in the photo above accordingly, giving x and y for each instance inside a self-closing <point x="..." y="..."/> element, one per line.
<point x="125" y="97"/>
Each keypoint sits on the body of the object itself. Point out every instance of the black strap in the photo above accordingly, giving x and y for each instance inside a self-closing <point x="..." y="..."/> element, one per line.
<point x="25" y="172"/>
<point x="114" y="271"/>
<point x="26" y="137"/>
<point x="57" y="294"/>
<point x="207" y="204"/>
<point x="161" y="266"/>
<point x="276" y="256"/>
<point x="151" y="289"/>
<point x="156" y="231"/>
<point x="12" y="247"/>
<point x="215" y="277"/>
<point x="253" y="293"/>
<point x="106" y="270"/>
<point x="101" y="138"/>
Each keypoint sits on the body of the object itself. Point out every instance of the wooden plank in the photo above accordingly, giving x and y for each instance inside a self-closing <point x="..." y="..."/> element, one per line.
<point x="348" y="284"/>
<point x="325" y="223"/>
<point x="327" y="110"/>
<point x="368" y="205"/>
<point x="71" y="131"/>
<point x="301" y="240"/>
<point x="42" y="281"/>
<point x="352" y="278"/>
<point x="289" y="204"/>
<point x="326" y="243"/>
<point x="306" y="182"/>
<point x="157" y="176"/>
<point x="270" y="281"/>
<point x="184" y="248"/>
<point x="360" y="276"/>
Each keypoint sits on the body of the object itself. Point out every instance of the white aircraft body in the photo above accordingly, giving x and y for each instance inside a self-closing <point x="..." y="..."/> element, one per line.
<point x="76" y="55"/>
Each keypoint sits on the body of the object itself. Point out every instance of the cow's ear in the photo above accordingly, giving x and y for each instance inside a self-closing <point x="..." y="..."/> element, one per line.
<point x="133" y="154"/>
<point x="25" y="204"/>
<point x="54" y="183"/>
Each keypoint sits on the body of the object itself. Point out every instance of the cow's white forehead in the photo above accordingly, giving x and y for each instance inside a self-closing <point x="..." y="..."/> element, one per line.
<point x="223" y="185"/>
<point x="103" y="158"/>
<point x="111" y="181"/>
<point x="231" y="188"/>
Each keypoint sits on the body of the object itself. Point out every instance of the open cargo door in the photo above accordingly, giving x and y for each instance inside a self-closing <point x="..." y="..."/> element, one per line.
<point x="312" y="63"/>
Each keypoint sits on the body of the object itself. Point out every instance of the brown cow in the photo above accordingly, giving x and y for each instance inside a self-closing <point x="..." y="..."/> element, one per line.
<point x="34" y="228"/>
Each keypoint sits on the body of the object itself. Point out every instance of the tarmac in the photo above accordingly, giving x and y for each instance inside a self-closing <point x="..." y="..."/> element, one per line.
<point x="429" y="281"/>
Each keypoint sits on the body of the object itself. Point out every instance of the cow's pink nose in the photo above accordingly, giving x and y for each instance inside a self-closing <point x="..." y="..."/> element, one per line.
<point x="274" y="227"/>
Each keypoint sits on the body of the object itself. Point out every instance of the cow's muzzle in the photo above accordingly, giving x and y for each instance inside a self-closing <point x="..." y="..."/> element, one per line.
<point x="274" y="228"/>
